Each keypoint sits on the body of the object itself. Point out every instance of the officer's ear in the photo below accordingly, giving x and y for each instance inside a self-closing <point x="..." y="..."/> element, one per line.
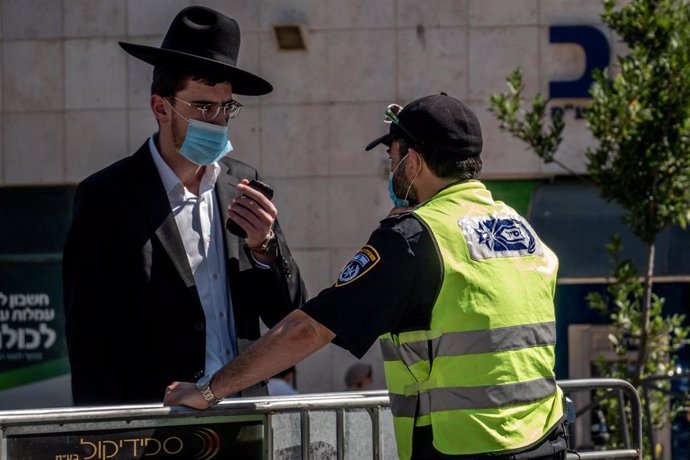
<point x="416" y="161"/>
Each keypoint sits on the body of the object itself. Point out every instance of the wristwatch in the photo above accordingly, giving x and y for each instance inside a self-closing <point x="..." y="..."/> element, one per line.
<point x="268" y="246"/>
<point x="204" y="386"/>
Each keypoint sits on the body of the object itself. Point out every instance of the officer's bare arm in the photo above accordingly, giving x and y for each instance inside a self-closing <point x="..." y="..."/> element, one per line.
<point x="297" y="336"/>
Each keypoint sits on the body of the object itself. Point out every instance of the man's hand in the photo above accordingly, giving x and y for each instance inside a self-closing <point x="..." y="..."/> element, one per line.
<point x="253" y="212"/>
<point x="184" y="394"/>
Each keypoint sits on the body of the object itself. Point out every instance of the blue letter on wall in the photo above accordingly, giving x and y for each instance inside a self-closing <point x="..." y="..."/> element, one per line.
<point x="597" y="56"/>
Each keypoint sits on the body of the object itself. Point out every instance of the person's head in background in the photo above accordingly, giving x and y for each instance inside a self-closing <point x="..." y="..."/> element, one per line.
<point x="288" y="375"/>
<point x="359" y="377"/>
<point x="283" y="383"/>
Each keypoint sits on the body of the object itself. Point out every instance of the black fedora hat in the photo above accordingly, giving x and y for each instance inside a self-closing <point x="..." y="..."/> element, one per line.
<point x="202" y="37"/>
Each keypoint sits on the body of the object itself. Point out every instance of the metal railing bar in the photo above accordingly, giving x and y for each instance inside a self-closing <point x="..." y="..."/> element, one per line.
<point x="340" y="433"/>
<point x="268" y="436"/>
<point x="227" y="407"/>
<point x="603" y="454"/>
<point x="633" y="397"/>
<point x="338" y="402"/>
<point x="305" y="435"/>
<point x="375" y="414"/>
<point x="623" y="418"/>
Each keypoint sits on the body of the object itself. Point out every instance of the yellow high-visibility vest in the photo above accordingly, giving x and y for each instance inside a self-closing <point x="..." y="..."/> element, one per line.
<point x="482" y="375"/>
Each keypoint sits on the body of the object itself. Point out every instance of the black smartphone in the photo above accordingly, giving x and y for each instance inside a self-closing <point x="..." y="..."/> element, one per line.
<point x="265" y="190"/>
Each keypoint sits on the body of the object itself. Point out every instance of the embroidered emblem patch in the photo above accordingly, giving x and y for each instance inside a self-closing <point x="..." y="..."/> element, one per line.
<point x="499" y="236"/>
<point x="362" y="262"/>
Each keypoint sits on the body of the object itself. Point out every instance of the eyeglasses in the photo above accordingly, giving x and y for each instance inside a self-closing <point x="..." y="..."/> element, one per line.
<point x="210" y="111"/>
<point x="391" y="116"/>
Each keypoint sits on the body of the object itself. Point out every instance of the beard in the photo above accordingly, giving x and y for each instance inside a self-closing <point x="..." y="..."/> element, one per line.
<point x="177" y="134"/>
<point x="401" y="185"/>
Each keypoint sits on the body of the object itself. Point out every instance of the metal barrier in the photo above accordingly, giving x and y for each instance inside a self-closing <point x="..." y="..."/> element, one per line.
<point x="239" y="428"/>
<point x="278" y="428"/>
<point x="618" y="388"/>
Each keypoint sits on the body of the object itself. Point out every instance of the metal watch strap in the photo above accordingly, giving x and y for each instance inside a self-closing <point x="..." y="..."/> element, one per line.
<point x="265" y="246"/>
<point x="209" y="396"/>
<point x="204" y="387"/>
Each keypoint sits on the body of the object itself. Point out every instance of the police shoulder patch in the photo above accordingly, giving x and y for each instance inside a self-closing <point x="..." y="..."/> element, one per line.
<point x="365" y="259"/>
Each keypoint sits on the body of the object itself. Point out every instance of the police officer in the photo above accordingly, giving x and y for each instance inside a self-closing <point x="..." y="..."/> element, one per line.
<point x="458" y="287"/>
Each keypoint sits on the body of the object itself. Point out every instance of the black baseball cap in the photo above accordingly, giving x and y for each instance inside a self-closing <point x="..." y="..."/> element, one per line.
<point x="438" y="122"/>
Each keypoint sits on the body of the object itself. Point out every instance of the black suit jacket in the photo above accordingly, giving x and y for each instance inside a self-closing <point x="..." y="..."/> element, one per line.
<point x="134" y="321"/>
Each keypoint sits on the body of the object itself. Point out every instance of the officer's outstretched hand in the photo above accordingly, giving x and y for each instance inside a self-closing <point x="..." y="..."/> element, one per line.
<point x="184" y="394"/>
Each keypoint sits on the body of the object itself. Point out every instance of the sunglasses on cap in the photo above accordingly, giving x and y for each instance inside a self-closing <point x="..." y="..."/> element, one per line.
<point x="391" y="116"/>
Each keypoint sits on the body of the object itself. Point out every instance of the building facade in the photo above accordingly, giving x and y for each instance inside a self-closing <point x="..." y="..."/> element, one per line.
<point x="72" y="101"/>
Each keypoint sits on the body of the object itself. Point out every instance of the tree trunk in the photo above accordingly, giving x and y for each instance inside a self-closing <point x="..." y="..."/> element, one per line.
<point x="644" y="317"/>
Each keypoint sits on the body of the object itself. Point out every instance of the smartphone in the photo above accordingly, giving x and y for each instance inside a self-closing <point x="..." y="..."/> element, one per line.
<point x="265" y="190"/>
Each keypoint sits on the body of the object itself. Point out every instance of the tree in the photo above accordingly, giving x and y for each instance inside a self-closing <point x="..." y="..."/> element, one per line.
<point x="642" y="122"/>
<point x="641" y="119"/>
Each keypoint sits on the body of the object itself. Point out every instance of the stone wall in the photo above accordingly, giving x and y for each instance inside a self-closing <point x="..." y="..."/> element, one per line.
<point x="72" y="101"/>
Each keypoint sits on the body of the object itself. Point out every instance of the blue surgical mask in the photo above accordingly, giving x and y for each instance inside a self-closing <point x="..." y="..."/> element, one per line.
<point x="397" y="201"/>
<point x="204" y="143"/>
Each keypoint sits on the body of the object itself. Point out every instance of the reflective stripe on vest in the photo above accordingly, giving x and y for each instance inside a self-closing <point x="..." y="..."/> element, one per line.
<point x="470" y="342"/>
<point x="487" y="397"/>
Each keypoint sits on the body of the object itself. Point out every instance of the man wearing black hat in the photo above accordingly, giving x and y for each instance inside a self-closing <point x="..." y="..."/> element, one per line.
<point x="459" y="289"/>
<point x="155" y="288"/>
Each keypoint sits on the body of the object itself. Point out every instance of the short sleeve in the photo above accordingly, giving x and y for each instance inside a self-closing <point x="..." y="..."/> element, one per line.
<point x="372" y="292"/>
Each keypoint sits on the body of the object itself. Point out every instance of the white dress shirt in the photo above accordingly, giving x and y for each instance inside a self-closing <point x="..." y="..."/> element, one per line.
<point x="200" y="224"/>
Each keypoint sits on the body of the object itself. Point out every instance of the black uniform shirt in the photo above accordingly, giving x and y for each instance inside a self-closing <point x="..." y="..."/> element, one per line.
<point x="390" y="285"/>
